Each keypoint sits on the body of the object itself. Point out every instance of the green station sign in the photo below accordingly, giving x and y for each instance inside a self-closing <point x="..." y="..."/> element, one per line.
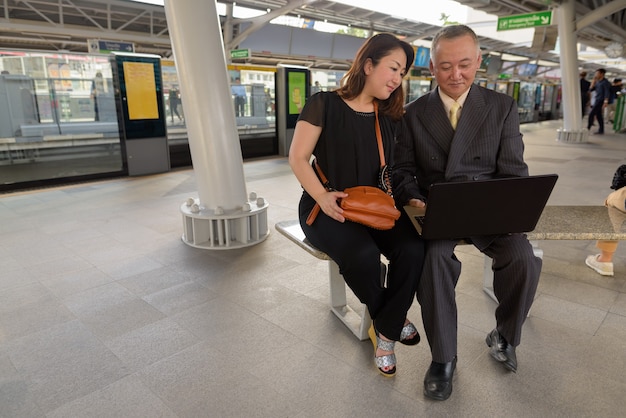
<point x="239" y="53"/>
<point x="528" y="20"/>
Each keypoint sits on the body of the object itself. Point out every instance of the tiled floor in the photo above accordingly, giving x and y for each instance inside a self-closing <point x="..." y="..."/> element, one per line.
<point x="105" y="312"/>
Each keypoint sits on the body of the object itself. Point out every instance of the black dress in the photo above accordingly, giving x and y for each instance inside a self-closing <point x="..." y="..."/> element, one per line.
<point x="347" y="153"/>
<point x="347" y="149"/>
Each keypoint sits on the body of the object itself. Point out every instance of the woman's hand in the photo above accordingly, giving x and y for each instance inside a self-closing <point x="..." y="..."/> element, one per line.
<point x="328" y="204"/>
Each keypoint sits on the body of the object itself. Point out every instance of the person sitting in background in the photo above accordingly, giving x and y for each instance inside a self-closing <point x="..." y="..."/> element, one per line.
<point x="616" y="202"/>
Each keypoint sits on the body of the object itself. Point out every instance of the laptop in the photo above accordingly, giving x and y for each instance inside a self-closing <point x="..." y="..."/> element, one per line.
<point x="484" y="207"/>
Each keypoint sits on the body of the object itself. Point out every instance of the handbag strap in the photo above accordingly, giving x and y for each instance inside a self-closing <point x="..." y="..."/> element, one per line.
<point x="379" y="137"/>
<point x="384" y="175"/>
<point x="381" y="152"/>
<point x="321" y="175"/>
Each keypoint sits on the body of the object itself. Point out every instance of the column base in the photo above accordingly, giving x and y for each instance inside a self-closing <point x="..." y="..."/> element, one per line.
<point x="564" y="135"/>
<point x="217" y="229"/>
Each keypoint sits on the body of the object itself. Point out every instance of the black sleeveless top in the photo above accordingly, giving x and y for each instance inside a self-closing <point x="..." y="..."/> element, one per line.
<point x="347" y="150"/>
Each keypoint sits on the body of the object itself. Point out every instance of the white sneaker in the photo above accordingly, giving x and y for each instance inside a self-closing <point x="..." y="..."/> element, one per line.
<point x="603" y="268"/>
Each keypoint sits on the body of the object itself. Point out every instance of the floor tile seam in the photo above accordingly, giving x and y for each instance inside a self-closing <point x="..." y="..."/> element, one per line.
<point x="365" y="345"/>
<point x="611" y="311"/>
<point x="616" y="301"/>
<point x="576" y="302"/>
<point x="569" y="279"/>
<point x="559" y="324"/>
<point x="49" y="295"/>
<point x="133" y="370"/>
<point x="103" y="389"/>
<point x="604" y="322"/>
<point x="369" y="368"/>
<point x="583" y="149"/>
<point x="560" y="298"/>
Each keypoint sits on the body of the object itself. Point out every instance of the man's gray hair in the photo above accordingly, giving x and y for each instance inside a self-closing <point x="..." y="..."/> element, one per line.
<point x="451" y="32"/>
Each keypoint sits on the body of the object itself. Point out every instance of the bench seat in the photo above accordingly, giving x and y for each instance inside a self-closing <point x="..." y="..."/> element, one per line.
<point x="357" y="322"/>
<point x="556" y="223"/>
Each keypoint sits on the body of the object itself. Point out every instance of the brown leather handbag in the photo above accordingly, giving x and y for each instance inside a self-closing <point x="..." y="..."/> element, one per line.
<point x="366" y="205"/>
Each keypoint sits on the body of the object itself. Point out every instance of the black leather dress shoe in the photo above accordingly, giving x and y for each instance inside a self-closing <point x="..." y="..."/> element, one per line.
<point x="501" y="350"/>
<point x="438" y="380"/>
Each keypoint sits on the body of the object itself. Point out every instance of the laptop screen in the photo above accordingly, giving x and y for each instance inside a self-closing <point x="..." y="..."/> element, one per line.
<point x="484" y="207"/>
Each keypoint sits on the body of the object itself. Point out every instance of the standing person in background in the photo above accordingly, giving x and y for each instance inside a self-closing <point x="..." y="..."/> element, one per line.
<point x="584" y="91"/>
<point x="602" y="88"/>
<point x="97" y="88"/>
<point x="240" y="96"/>
<point x="463" y="132"/>
<point x="315" y="88"/>
<point x="174" y="101"/>
<point x="339" y="128"/>
<point x="616" y="89"/>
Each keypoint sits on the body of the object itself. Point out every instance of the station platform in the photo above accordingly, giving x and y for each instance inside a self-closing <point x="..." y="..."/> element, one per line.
<point x="104" y="311"/>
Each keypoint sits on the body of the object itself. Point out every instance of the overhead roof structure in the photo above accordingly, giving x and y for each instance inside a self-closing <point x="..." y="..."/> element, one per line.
<point x="62" y="25"/>
<point x="67" y="25"/>
<point x="598" y="34"/>
<point x="344" y="14"/>
<point x="598" y="22"/>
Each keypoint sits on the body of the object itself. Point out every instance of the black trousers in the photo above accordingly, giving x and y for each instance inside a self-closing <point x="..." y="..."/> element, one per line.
<point x="240" y="105"/>
<point x="516" y="276"/>
<point x="357" y="251"/>
<point x="174" y="109"/>
<point x="597" y="111"/>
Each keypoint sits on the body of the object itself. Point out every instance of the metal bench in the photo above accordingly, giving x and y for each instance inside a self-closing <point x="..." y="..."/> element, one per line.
<point x="565" y="223"/>
<point x="556" y="223"/>
<point x="358" y="323"/>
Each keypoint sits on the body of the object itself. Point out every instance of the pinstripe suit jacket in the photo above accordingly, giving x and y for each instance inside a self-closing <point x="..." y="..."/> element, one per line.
<point x="486" y="144"/>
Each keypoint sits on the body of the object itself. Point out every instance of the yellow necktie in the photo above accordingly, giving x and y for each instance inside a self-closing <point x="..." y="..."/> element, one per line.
<point x="453" y="114"/>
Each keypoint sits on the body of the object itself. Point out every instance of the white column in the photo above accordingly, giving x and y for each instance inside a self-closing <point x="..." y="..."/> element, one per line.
<point x="572" y="130"/>
<point x="224" y="216"/>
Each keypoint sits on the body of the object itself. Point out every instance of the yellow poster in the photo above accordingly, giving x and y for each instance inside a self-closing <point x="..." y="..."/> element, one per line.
<point x="140" y="91"/>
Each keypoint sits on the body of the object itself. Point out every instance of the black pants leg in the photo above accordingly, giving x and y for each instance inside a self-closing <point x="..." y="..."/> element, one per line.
<point x="357" y="251"/>
<point x="596" y="111"/>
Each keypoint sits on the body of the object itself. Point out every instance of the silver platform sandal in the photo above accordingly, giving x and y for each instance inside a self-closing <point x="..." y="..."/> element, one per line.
<point x="408" y="330"/>
<point x="386" y="360"/>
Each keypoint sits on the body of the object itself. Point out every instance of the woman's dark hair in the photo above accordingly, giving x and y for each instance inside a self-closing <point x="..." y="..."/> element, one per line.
<point x="376" y="48"/>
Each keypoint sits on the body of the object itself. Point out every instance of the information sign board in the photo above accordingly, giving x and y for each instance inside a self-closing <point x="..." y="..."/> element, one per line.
<point x="528" y="20"/>
<point x="239" y="53"/>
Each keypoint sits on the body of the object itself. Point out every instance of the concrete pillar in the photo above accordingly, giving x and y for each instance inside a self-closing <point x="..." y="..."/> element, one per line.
<point x="572" y="130"/>
<point x="223" y="216"/>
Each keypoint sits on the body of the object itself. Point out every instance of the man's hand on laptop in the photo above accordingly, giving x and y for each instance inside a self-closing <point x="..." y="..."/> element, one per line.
<point x="417" y="203"/>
